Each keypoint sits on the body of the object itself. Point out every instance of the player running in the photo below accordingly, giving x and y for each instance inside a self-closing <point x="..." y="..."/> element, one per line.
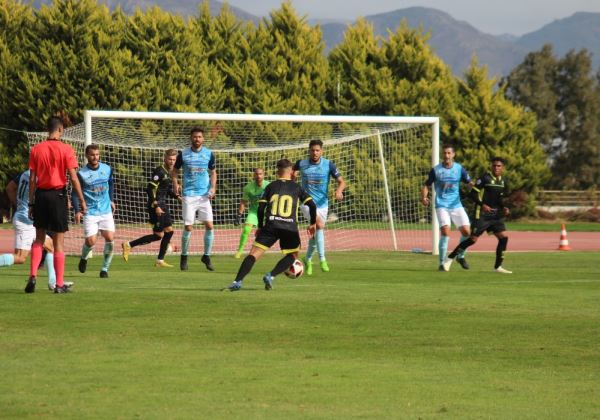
<point x="488" y="194"/>
<point x="446" y="178"/>
<point x="158" y="191"/>
<point x="97" y="183"/>
<point x="315" y="172"/>
<point x="279" y="208"/>
<point x="252" y="193"/>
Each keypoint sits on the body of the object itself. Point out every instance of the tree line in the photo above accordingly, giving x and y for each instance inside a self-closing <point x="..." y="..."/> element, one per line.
<point x="77" y="55"/>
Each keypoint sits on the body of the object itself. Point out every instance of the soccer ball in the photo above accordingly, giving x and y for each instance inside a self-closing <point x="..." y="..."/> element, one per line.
<point x="295" y="270"/>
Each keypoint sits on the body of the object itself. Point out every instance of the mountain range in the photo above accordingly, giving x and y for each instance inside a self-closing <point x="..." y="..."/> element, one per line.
<point x="453" y="40"/>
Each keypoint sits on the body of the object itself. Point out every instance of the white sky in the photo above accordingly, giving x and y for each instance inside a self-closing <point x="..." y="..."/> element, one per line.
<point x="492" y="16"/>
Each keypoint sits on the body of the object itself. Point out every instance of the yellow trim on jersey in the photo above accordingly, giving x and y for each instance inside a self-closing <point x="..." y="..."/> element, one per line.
<point x="307" y="200"/>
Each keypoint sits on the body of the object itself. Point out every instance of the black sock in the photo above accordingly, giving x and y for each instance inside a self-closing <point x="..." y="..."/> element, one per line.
<point x="502" y="242"/>
<point x="245" y="267"/>
<point x="44" y="253"/>
<point x="283" y="264"/>
<point x="164" y="244"/>
<point x="144" y="240"/>
<point x="461" y="247"/>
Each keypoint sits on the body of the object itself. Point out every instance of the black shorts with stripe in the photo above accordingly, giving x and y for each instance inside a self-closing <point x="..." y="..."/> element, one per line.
<point x="289" y="240"/>
<point x="487" y="224"/>
<point x="159" y="223"/>
<point x="50" y="211"/>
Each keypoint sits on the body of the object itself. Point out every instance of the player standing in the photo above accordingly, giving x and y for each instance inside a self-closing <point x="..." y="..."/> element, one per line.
<point x="252" y="193"/>
<point x="279" y="207"/>
<point x="315" y="172"/>
<point x="488" y="194"/>
<point x="49" y="162"/>
<point x="158" y="190"/>
<point x="446" y="178"/>
<point x="97" y="183"/>
<point x="199" y="187"/>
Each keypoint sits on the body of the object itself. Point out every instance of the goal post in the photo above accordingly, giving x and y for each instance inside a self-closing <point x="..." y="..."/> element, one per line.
<point x="384" y="161"/>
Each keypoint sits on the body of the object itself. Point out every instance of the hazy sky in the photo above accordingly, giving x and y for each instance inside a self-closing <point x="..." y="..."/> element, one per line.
<point x="492" y="16"/>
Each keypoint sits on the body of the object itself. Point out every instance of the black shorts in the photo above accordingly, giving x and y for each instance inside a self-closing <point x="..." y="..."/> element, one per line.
<point x="491" y="225"/>
<point x="159" y="223"/>
<point x="289" y="241"/>
<point x="50" y="211"/>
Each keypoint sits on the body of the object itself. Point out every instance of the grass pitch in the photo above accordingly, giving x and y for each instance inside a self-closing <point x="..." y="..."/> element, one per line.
<point x="382" y="335"/>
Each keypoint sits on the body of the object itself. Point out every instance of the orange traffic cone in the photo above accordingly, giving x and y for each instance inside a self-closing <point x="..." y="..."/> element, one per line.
<point x="563" y="244"/>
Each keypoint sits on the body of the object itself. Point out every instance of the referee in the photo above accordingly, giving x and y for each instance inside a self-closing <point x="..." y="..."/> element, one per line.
<point x="49" y="162"/>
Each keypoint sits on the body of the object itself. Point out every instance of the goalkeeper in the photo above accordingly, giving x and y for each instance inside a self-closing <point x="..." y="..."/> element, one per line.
<point x="253" y="191"/>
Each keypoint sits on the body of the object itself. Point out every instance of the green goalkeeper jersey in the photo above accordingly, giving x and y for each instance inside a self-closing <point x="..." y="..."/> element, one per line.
<point x="252" y="194"/>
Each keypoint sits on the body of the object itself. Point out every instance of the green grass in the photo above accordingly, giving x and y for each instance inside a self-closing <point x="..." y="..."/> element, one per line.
<point x="381" y="336"/>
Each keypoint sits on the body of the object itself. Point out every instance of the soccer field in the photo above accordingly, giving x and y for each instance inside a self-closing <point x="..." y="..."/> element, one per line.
<point x="383" y="335"/>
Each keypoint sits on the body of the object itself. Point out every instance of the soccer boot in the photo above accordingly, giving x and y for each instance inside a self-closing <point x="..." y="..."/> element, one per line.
<point x="268" y="280"/>
<point x="206" y="260"/>
<point x="447" y="263"/>
<point x="162" y="264"/>
<point x="126" y="250"/>
<point x="183" y="266"/>
<point x="324" y="266"/>
<point x="69" y="284"/>
<point x="103" y="274"/>
<point x="441" y="268"/>
<point x="307" y="266"/>
<point x="463" y="263"/>
<point x="237" y="255"/>
<point x="82" y="265"/>
<point x="30" y="287"/>
<point x="63" y="289"/>
<point x="235" y="286"/>
<point x="502" y="270"/>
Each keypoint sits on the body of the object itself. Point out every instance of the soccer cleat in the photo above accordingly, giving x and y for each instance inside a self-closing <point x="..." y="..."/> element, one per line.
<point x="463" y="263"/>
<point x="502" y="270"/>
<point x="63" y="289"/>
<point x="237" y="255"/>
<point x="69" y="284"/>
<point x="447" y="263"/>
<point x="324" y="266"/>
<point x="82" y="265"/>
<point x="126" y="250"/>
<point x="307" y="266"/>
<point x="235" y="286"/>
<point x="162" y="264"/>
<point x="183" y="266"/>
<point x="30" y="287"/>
<point x="206" y="260"/>
<point x="268" y="280"/>
<point x="103" y="274"/>
<point x="441" y="268"/>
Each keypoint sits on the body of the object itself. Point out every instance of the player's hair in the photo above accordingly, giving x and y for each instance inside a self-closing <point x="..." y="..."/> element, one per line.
<point x="258" y="168"/>
<point x="448" y="146"/>
<point x="196" y="129"/>
<point x="283" y="164"/>
<point x="498" y="159"/>
<point x="315" y="142"/>
<point x="170" y="152"/>
<point x="91" y="147"/>
<point x="54" y="123"/>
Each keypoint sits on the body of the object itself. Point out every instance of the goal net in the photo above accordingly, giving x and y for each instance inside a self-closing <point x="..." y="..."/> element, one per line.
<point x="384" y="161"/>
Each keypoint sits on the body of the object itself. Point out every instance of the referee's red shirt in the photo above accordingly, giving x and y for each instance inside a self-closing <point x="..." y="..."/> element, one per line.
<point x="50" y="160"/>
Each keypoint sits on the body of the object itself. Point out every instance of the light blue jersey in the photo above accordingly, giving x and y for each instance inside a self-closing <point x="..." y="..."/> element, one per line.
<point x="446" y="182"/>
<point x="22" y="213"/>
<point x="196" y="166"/>
<point x="97" y="188"/>
<point x="315" y="178"/>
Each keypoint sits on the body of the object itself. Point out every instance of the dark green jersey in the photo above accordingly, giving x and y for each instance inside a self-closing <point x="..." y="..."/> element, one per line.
<point x="489" y="190"/>
<point x="280" y="201"/>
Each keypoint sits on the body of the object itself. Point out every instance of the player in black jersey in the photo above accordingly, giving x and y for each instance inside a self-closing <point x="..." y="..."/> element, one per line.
<point x="488" y="194"/>
<point x="278" y="221"/>
<point x="158" y="190"/>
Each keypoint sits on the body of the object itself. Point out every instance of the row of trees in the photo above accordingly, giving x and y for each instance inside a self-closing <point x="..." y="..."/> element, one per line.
<point x="77" y="55"/>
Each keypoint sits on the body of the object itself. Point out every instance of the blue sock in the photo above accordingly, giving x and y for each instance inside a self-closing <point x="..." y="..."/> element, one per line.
<point x="7" y="259"/>
<point x="443" y="247"/>
<point x="209" y="236"/>
<point x="320" y="237"/>
<point x="462" y="253"/>
<point x="310" y="250"/>
<point x="185" y="242"/>
<point x="50" y="267"/>
<point x="85" y="251"/>
<point x="108" y="255"/>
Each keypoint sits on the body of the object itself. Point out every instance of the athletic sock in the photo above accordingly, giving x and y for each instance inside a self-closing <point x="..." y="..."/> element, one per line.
<point x="85" y="251"/>
<point x="164" y="244"/>
<point x="502" y="243"/>
<point x="144" y="240"/>
<point x="244" y="237"/>
<point x="108" y="255"/>
<point x="6" y="260"/>
<point x="59" y="266"/>
<point x="50" y="268"/>
<point x="461" y="253"/>
<point x="209" y="235"/>
<point x="443" y="247"/>
<point x="461" y="247"/>
<point x="36" y="257"/>
<point x="185" y="241"/>
<point x="283" y="264"/>
<point x="310" y="249"/>
<point x="245" y="267"/>
<point x="320" y="239"/>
